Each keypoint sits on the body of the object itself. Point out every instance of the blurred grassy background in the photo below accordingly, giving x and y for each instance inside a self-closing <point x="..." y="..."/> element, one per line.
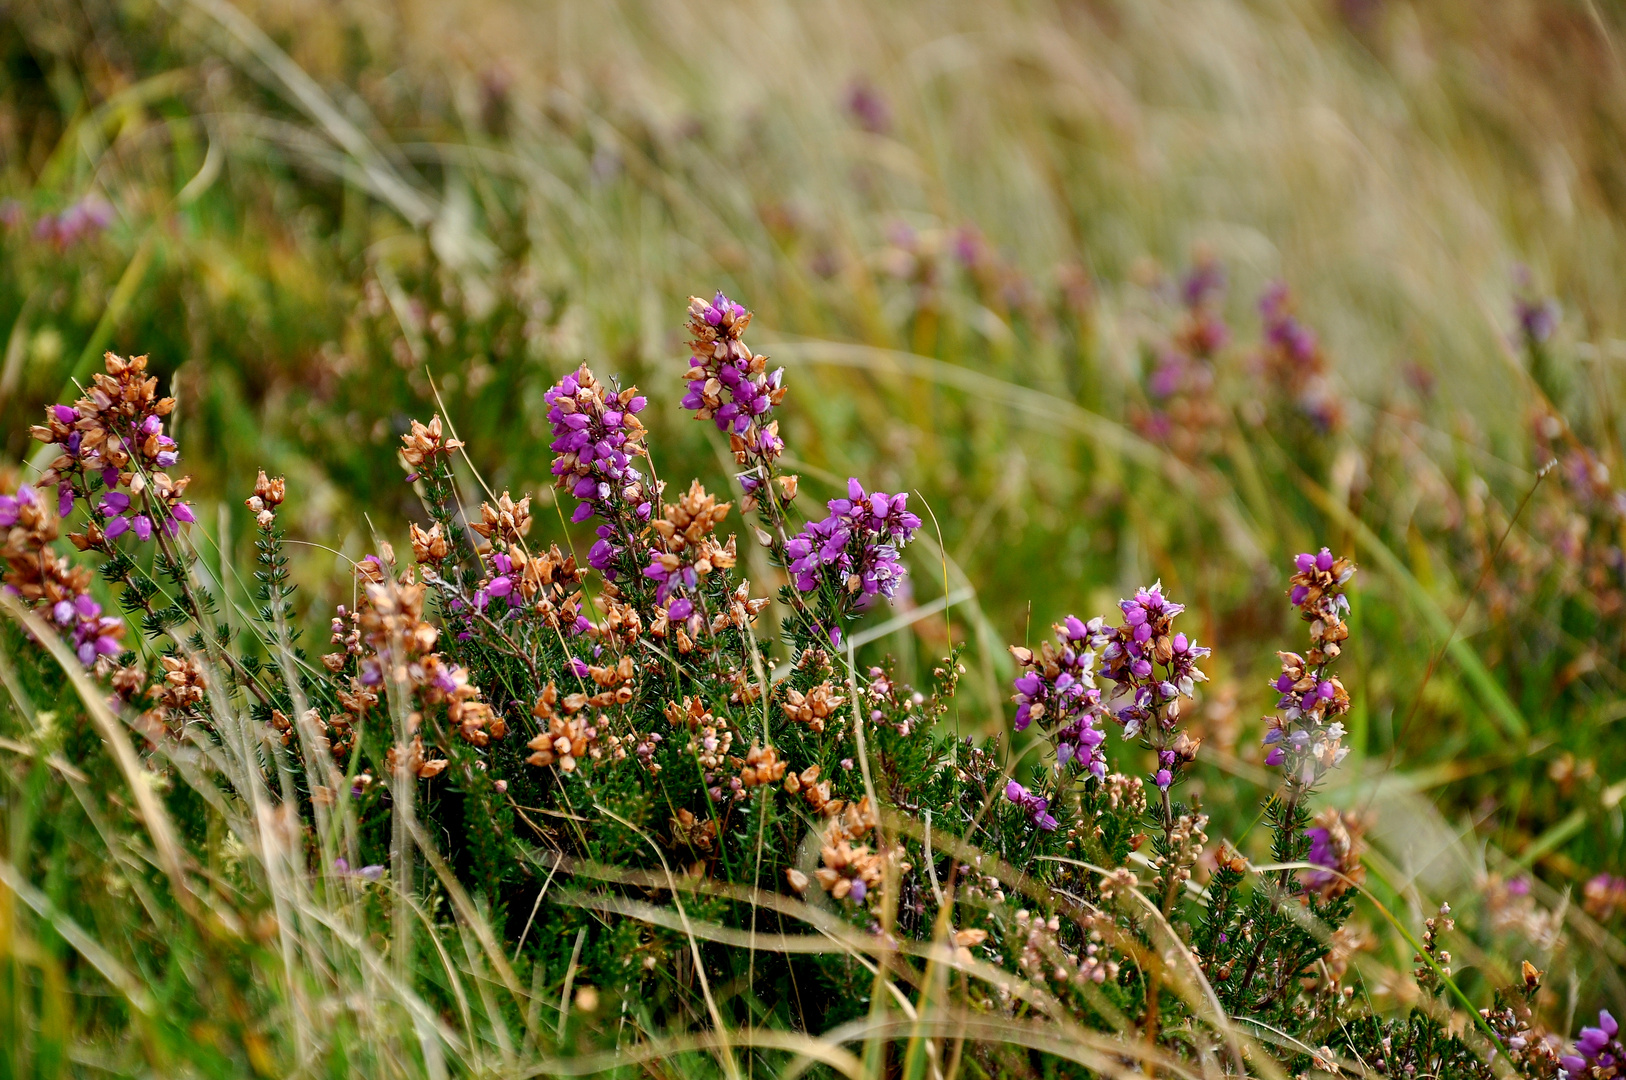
<point x="960" y="225"/>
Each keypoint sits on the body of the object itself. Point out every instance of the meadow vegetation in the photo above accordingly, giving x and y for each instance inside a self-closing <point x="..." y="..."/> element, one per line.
<point x="1119" y="569"/>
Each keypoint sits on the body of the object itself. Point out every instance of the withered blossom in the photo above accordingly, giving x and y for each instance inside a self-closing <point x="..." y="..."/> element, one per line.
<point x="268" y="495"/>
<point x="423" y="443"/>
<point x="762" y="766"/>
<point x="416" y="761"/>
<point x="812" y="708"/>
<point x="567" y="738"/>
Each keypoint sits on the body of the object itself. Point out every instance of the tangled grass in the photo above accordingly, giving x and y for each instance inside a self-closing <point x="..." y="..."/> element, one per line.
<point x="323" y="222"/>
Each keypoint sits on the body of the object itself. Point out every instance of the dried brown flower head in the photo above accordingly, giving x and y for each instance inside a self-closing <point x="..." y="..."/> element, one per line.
<point x="423" y="442"/>
<point x="428" y="546"/>
<point x="813" y="707"/>
<point x="415" y="761"/>
<point x="507" y="523"/>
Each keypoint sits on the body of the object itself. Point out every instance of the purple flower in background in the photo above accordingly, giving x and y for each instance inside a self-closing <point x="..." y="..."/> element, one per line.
<point x="1169" y="376"/>
<point x="341" y="867"/>
<point x="866" y="105"/>
<point x="1322" y="854"/>
<point x="79" y="221"/>
<point x="1535" y="315"/>
<point x="1294" y="362"/>
<point x="1204" y="283"/>
<point x="1203" y="331"/>
<point x="1282" y="327"/>
<point x="11" y="506"/>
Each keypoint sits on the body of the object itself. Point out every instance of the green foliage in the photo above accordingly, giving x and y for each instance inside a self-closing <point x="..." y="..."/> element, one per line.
<point x="945" y="220"/>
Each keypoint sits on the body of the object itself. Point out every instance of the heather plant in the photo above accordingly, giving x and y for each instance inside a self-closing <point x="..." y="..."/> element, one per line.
<point x="598" y="773"/>
<point x="323" y="223"/>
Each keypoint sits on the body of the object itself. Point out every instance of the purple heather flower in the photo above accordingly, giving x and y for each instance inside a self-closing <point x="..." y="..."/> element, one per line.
<point x="869" y="108"/>
<point x="730" y="386"/>
<point x="1322" y="854"/>
<point x="1597" y="1047"/>
<point x="596" y="439"/>
<point x="856" y="546"/>
<point x="1204" y="282"/>
<point x="8" y="508"/>
<point x="1036" y="806"/>
<point x="1067" y="705"/>
<point x="1307" y="737"/>
<point x="341" y="866"/>
<point x="1167" y="379"/>
<point x="1537" y="317"/>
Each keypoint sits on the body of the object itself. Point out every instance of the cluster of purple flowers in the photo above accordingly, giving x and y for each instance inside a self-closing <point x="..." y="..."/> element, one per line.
<point x="1153" y="664"/>
<point x="1536" y="316"/>
<point x="80" y="221"/>
<point x="1058" y="690"/>
<point x="1037" y="807"/>
<point x="667" y="578"/>
<point x="1184" y="414"/>
<point x="501" y="586"/>
<point x="1306" y="739"/>
<point x="1155" y="667"/>
<point x="92" y="631"/>
<point x="115" y="434"/>
<point x="596" y="435"/>
<point x="857" y="544"/>
<point x="730" y="386"/>
<point x="115" y="506"/>
<point x="1183" y="365"/>
<point x="1598" y="1047"/>
<point x="1295" y="362"/>
<point x="1282" y="327"/>
<point x="42" y="577"/>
